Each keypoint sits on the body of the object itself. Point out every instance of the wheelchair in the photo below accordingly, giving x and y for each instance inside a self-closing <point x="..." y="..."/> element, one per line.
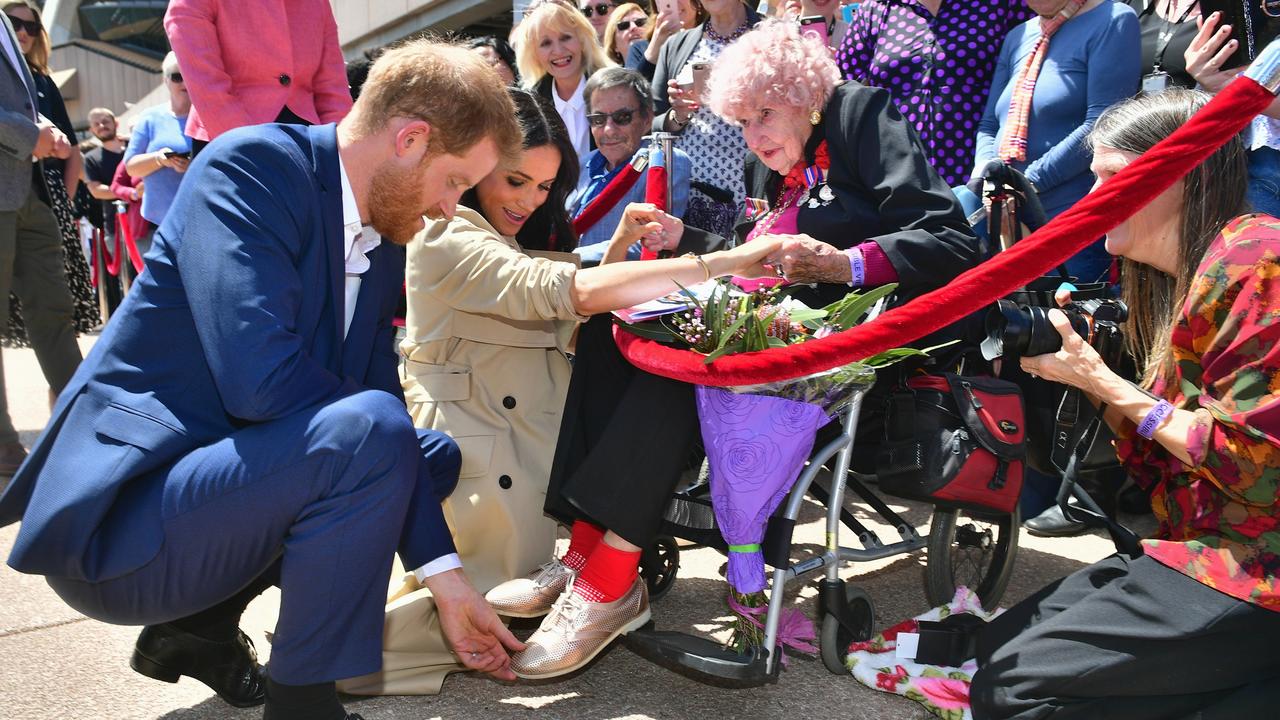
<point x="963" y="547"/>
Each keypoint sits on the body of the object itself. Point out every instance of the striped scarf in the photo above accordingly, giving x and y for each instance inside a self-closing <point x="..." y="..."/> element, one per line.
<point x="1014" y="145"/>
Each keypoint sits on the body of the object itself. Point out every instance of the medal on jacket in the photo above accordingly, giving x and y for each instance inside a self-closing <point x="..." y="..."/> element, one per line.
<point x="756" y="208"/>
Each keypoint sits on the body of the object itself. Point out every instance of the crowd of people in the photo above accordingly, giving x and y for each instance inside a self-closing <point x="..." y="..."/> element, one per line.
<point x="365" y="283"/>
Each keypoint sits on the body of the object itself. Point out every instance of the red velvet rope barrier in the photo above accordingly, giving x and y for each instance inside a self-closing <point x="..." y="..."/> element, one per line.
<point x="1100" y="211"/>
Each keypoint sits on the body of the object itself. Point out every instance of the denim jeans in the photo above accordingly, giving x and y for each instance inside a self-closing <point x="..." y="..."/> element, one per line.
<point x="1264" y="180"/>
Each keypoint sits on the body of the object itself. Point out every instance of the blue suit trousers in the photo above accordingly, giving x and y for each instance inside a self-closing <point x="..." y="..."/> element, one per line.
<point x="325" y="493"/>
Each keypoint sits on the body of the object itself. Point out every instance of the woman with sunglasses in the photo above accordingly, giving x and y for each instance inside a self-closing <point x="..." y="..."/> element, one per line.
<point x="597" y="12"/>
<point x="159" y="150"/>
<point x="61" y="177"/>
<point x="490" y="317"/>
<point x="556" y="51"/>
<point x="628" y="23"/>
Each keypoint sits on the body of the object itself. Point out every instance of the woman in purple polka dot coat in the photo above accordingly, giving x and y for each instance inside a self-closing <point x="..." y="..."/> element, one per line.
<point x="936" y="58"/>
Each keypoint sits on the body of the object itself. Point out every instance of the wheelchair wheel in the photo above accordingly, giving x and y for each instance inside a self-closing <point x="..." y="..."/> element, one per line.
<point x="659" y="564"/>
<point x="834" y="639"/>
<point x="972" y="549"/>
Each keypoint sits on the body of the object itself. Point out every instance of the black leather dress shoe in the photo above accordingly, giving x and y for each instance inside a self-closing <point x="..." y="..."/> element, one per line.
<point x="229" y="667"/>
<point x="1052" y="523"/>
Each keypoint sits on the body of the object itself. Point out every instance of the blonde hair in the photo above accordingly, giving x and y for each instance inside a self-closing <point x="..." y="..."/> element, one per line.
<point x="611" y="31"/>
<point x="38" y="58"/>
<point x="555" y="17"/>
<point x="444" y="84"/>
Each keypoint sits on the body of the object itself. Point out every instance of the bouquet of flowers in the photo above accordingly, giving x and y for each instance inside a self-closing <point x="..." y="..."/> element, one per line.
<point x="758" y="437"/>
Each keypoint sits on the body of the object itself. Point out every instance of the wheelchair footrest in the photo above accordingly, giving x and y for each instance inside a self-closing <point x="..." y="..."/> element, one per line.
<point x="701" y="659"/>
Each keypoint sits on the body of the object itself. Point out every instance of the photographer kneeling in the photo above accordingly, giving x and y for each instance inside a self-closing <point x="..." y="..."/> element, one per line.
<point x="1192" y="626"/>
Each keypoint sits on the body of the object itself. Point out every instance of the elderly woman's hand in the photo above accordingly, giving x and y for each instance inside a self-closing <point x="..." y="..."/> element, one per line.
<point x="802" y="259"/>
<point x="1077" y="364"/>
<point x="1208" y="50"/>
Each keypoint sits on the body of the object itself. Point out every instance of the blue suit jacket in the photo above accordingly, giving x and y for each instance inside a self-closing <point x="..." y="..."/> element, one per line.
<point x="238" y="319"/>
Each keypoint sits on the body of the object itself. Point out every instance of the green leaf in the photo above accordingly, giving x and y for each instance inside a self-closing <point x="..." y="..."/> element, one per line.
<point x="777" y="342"/>
<point x="652" y="331"/>
<point x="889" y="357"/>
<point x="722" y="351"/>
<point x="850" y="310"/>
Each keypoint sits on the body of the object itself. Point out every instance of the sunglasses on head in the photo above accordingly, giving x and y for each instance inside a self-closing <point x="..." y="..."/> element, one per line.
<point x="601" y="9"/>
<point x="175" y="77"/>
<point x="624" y="25"/>
<point x="32" y="27"/>
<point x="621" y="118"/>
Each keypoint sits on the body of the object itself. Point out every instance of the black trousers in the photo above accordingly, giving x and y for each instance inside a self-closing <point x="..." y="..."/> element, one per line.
<point x="624" y="440"/>
<point x="1129" y="639"/>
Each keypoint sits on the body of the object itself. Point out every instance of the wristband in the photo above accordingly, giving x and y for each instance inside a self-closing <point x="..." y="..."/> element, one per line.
<point x="1154" y="418"/>
<point x="857" y="267"/>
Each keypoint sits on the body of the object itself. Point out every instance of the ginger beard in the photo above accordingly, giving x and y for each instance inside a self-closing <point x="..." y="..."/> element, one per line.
<point x="393" y="208"/>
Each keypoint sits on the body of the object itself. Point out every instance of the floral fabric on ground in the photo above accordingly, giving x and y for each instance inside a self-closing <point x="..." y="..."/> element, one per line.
<point x="1220" y="520"/>
<point x="943" y="691"/>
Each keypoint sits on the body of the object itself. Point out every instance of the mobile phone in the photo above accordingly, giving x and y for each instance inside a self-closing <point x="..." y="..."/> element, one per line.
<point x="814" y="26"/>
<point x="1253" y="26"/>
<point x="700" y="72"/>
<point x="669" y="7"/>
<point x="175" y="153"/>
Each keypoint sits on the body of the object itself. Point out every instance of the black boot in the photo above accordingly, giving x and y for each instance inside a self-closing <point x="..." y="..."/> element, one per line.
<point x="1100" y="485"/>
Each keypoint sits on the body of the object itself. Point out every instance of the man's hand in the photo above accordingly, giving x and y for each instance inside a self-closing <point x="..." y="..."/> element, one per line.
<point x="644" y="222"/>
<point x="805" y="260"/>
<point x="472" y="628"/>
<point x="51" y="142"/>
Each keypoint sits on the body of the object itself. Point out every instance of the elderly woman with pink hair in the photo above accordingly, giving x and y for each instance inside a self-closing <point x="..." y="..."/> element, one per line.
<point x="833" y="166"/>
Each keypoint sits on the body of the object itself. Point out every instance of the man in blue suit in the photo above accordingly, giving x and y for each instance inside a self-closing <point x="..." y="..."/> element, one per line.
<point x="240" y="422"/>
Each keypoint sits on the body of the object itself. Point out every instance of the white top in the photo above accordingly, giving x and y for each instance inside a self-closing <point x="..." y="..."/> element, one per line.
<point x="358" y="239"/>
<point x="574" y="113"/>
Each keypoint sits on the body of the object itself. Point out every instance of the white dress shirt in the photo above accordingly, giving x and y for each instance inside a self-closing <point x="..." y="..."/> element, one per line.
<point x="574" y="113"/>
<point x="359" y="239"/>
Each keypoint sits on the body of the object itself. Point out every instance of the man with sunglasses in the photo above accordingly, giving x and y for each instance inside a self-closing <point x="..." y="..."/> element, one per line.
<point x="597" y="13"/>
<point x="619" y="113"/>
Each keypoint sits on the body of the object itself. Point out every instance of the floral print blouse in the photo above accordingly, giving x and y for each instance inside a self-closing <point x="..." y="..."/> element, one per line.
<point x="1220" y="519"/>
<point x="938" y="68"/>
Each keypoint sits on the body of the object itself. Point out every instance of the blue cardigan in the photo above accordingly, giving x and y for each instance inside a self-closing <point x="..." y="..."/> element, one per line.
<point x="1093" y="62"/>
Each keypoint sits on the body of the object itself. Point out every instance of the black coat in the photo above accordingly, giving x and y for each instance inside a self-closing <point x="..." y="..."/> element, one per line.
<point x="885" y="190"/>
<point x="671" y="59"/>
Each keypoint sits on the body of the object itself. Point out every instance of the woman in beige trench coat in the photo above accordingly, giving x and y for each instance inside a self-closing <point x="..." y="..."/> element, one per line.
<point x="487" y="330"/>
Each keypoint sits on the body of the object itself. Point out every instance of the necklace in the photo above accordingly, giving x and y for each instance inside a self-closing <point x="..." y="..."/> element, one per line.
<point x="714" y="36"/>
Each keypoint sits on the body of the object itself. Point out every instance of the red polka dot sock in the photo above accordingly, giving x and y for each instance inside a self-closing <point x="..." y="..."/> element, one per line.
<point x="583" y="539"/>
<point x="608" y="575"/>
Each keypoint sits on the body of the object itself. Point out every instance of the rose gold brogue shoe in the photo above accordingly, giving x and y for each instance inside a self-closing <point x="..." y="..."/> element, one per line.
<point x="533" y="596"/>
<point x="577" y="630"/>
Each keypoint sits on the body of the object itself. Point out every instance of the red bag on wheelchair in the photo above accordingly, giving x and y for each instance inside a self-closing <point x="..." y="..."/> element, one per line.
<point x="955" y="441"/>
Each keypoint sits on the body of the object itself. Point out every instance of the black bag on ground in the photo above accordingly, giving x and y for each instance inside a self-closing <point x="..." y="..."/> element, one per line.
<point x="955" y="441"/>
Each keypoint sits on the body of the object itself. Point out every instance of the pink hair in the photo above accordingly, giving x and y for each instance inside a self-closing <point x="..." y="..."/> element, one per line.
<point x="770" y="66"/>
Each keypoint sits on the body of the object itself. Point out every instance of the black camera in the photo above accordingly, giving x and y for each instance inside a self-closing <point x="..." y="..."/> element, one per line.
<point x="1015" y="330"/>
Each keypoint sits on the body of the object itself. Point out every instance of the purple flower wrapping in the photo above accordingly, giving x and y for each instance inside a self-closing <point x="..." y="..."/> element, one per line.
<point x="756" y="446"/>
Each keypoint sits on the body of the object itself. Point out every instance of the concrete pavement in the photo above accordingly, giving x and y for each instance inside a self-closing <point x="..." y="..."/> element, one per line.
<point x="58" y="665"/>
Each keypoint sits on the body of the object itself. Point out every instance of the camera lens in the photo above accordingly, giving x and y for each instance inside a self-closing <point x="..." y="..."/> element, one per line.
<point x="1014" y="330"/>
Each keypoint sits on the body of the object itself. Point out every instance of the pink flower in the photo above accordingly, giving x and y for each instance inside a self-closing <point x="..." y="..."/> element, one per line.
<point x="945" y="693"/>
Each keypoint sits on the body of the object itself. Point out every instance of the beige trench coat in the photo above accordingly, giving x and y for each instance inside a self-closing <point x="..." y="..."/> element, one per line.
<point x="487" y="327"/>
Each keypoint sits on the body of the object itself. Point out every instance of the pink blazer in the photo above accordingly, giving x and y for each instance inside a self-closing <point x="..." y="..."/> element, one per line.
<point x="245" y="60"/>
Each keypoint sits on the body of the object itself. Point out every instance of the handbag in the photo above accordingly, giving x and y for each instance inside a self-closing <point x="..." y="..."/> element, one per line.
<point x="955" y="441"/>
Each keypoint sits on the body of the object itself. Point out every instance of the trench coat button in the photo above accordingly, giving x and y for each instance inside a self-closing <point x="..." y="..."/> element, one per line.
<point x="285" y="79"/>
<point x="504" y="482"/>
<point x="509" y="402"/>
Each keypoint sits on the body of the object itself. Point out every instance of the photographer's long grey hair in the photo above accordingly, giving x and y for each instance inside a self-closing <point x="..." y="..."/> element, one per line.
<point x="1213" y="193"/>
